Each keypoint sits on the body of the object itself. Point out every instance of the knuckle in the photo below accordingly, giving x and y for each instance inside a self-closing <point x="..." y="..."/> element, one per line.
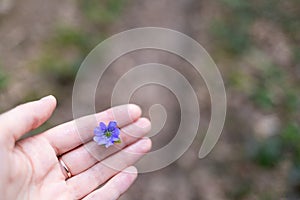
<point x="34" y="119"/>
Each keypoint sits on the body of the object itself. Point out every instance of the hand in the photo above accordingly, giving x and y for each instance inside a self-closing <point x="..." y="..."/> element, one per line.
<point x="31" y="169"/>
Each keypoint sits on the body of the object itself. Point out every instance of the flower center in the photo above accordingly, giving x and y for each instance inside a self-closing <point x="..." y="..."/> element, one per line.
<point x="107" y="134"/>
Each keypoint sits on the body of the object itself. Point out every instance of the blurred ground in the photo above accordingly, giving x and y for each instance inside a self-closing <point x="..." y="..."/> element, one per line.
<point x="255" y="45"/>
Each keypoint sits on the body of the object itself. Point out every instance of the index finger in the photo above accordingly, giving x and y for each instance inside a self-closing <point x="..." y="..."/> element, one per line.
<point x="70" y="135"/>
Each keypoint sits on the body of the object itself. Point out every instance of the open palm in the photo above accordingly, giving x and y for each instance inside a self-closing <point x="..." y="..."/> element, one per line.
<point x="31" y="169"/>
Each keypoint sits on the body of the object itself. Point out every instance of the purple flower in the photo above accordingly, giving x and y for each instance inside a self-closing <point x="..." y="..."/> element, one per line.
<point x="107" y="135"/>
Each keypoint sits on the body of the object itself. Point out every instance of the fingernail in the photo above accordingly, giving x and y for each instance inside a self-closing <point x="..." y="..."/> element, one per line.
<point x="142" y="145"/>
<point x="135" y="110"/>
<point x="143" y="123"/>
<point x="131" y="169"/>
<point x="46" y="98"/>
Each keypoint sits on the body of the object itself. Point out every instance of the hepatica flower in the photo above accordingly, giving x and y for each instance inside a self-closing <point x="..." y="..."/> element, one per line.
<point x="107" y="135"/>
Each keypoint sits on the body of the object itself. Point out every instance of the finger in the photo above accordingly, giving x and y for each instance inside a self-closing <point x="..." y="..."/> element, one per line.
<point x="85" y="156"/>
<point x="25" y="118"/>
<point x="68" y="136"/>
<point x="84" y="183"/>
<point x="116" y="186"/>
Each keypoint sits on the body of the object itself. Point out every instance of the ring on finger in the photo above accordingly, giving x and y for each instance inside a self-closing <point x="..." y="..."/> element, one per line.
<point x="65" y="168"/>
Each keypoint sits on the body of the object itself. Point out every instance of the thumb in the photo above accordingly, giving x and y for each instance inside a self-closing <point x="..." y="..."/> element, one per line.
<point x="24" y="118"/>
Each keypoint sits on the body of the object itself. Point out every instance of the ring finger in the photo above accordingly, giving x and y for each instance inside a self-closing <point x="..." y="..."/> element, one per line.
<point x="87" y="181"/>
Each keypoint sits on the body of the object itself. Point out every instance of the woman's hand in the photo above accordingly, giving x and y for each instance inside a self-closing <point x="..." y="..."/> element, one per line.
<point x="32" y="168"/>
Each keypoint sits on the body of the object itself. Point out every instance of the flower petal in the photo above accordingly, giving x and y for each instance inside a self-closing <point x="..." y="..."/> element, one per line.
<point x="98" y="131"/>
<point x="115" y="139"/>
<point x="100" y="140"/>
<point x="109" y="143"/>
<point x="116" y="132"/>
<point x="102" y="126"/>
<point x="112" y="125"/>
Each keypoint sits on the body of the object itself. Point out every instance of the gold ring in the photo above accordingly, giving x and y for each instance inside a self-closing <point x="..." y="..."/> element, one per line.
<point x="65" y="168"/>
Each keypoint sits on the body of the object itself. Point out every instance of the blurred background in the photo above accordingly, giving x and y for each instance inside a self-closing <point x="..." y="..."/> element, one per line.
<point x="256" y="45"/>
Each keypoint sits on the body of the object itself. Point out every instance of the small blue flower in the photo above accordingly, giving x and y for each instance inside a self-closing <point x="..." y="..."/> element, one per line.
<point x="107" y="135"/>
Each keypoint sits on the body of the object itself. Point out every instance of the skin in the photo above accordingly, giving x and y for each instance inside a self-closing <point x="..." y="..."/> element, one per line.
<point x="30" y="168"/>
